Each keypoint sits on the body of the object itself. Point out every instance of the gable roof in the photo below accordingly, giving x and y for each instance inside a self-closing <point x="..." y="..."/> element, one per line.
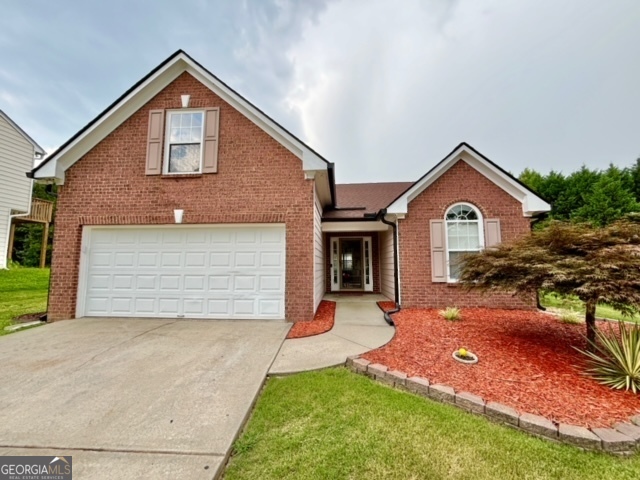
<point x="532" y="203"/>
<point x="355" y="200"/>
<point x="37" y="148"/>
<point x="145" y="89"/>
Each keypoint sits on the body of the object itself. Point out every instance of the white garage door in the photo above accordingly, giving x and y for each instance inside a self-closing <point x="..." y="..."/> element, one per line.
<point x="183" y="272"/>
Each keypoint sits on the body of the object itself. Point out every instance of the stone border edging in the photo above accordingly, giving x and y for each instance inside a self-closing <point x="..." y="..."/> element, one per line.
<point x="623" y="439"/>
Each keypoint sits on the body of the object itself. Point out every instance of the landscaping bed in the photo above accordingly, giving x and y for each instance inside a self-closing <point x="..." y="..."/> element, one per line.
<point x="322" y="322"/>
<point x="526" y="361"/>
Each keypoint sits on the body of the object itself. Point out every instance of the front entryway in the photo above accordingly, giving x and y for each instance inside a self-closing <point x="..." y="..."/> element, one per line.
<point x="351" y="264"/>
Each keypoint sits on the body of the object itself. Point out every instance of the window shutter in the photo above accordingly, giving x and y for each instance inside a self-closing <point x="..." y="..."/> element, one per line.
<point x="492" y="232"/>
<point x="438" y="251"/>
<point x="154" y="142"/>
<point x="210" y="156"/>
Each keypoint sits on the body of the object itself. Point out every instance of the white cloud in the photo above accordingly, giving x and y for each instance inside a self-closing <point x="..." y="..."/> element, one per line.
<point x="386" y="91"/>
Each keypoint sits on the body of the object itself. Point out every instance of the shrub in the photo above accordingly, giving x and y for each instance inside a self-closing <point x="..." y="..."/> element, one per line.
<point x="569" y="316"/>
<point x="450" y="313"/>
<point x="615" y="358"/>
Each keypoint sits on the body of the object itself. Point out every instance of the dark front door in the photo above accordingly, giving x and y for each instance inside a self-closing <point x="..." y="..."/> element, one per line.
<point x="351" y="264"/>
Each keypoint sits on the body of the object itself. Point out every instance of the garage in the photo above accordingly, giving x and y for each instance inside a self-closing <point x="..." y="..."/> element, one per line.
<point x="183" y="271"/>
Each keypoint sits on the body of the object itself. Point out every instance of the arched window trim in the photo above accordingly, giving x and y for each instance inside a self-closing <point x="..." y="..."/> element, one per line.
<point x="479" y="221"/>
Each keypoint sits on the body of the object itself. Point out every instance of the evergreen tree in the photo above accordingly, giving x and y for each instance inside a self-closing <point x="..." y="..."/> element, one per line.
<point x="608" y="201"/>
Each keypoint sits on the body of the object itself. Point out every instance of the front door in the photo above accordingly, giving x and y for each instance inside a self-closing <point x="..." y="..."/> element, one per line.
<point x="351" y="264"/>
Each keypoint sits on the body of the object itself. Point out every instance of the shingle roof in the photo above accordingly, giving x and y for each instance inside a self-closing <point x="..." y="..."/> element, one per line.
<point x="361" y="198"/>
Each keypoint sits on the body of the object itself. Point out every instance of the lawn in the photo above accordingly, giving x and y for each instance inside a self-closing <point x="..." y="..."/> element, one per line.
<point x="561" y="302"/>
<point x="333" y="424"/>
<point x="22" y="290"/>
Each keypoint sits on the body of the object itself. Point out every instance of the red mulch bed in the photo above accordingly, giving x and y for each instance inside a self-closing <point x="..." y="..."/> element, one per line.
<point x="322" y="322"/>
<point x="526" y="361"/>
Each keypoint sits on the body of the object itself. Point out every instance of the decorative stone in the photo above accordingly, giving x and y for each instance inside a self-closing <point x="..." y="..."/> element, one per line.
<point x="502" y="413"/>
<point x="614" y="441"/>
<point x="579" y="436"/>
<point x="358" y="365"/>
<point x="470" y="402"/>
<point x="442" y="393"/>
<point x="538" y="425"/>
<point x="635" y="420"/>
<point x="629" y="429"/>
<point x="377" y="371"/>
<point x="397" y="378"/>
<point x="418" y="385"/>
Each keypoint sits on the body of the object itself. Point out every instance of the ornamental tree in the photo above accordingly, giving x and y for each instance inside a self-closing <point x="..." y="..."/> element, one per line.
<point x="598" y="265"/>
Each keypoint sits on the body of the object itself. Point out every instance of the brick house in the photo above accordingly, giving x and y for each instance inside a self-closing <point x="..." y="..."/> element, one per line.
<point x="182" y="199"/>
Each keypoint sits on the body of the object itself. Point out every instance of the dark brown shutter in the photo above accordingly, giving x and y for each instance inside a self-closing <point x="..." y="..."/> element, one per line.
<point x="492" y="235"/>
<point x="211" y="126"/>
<point x="154" y="142"/>
<point x="438" y="251"/>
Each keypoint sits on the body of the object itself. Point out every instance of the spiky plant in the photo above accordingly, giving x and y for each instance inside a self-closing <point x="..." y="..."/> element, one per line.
<point x="614" y="359"/>
<point x="450" y="313"/>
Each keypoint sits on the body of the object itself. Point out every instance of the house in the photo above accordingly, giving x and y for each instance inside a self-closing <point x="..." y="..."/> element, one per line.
<point x="184" y="200"/>
<point x="18" y="152"/>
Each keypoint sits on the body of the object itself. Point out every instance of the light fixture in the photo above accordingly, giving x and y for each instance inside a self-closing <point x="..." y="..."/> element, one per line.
<point x="178" y="215"/>
<point x="185" y="100"/>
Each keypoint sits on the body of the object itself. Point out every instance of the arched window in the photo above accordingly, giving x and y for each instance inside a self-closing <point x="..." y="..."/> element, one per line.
<point x="464" y="234"/>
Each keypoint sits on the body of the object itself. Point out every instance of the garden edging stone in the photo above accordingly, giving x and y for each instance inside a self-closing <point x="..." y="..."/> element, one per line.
<point x="624" y="438"/>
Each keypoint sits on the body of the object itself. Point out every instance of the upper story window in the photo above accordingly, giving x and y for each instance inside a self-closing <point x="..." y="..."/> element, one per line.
<point x="184" y="132"/>
<point x="464" y="234"/>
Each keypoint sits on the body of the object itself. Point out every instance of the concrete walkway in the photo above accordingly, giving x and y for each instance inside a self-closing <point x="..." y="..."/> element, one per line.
<point x="359" y="327"/>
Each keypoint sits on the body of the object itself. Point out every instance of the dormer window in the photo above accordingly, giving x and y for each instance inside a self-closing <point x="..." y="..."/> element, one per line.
<point x="184" y="132"/>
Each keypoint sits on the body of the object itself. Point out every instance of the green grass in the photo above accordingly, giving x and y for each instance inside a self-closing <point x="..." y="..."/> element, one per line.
<point x="333" y="424"/>
<point x="562" y="302"/>
<point x="22" y="290"/>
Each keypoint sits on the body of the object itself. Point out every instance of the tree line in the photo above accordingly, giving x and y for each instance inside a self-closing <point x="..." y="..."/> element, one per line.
<point x="598" y="197"/>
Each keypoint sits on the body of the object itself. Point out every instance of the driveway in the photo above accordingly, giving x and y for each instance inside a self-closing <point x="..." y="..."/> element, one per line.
<point x="133" y="398"/>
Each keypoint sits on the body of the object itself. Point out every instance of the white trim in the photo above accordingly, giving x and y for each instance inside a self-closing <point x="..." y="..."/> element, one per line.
<point x="335" y="269"/>
<point x="368" y="286"/>
<point x="135" y="100"/>
<point x="480" y="223"/>
<point x="168" y="143"/>
<point x="340" y="227"/>
<point x="531" y="203"/>
<point x="83" y="270"/>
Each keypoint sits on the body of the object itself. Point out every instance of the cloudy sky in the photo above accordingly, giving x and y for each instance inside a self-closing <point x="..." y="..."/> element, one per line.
<point x="383" y="88"/>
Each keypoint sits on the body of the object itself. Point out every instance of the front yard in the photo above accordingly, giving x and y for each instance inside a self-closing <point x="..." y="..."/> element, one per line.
<point x="333" y="424"/>
<point x="22" y="291"/>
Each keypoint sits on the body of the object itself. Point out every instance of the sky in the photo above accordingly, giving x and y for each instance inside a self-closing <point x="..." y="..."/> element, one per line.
<point x="383" y="88"/>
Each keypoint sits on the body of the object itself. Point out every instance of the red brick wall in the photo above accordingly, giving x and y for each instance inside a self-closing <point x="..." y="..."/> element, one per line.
<point x="461" y="183"/>
<point x="258" y="180"/>
<point x="375" y="260"/>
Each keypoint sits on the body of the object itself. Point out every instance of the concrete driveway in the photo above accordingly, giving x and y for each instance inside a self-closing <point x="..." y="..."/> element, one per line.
<point x="133" y="398"/>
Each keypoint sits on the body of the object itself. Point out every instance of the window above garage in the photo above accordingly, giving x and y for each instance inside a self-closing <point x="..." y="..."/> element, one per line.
<point x="183" y="142"/>
<point x="183" y="148"/>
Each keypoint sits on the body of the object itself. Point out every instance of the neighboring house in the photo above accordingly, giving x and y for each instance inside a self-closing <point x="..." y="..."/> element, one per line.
<point x="18" y="152"/>
<point x="182" y="199"/>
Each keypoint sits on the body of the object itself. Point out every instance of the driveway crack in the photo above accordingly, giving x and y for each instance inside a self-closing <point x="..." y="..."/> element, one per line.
<point x="122" y="343"/>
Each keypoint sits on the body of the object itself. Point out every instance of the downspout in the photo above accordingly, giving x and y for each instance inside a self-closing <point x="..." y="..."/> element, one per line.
<point x="396" y="281"/>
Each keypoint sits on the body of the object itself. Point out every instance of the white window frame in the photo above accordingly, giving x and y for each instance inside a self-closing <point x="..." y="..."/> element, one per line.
<point x="480" y="222"/>
<point x="167" y="143"/>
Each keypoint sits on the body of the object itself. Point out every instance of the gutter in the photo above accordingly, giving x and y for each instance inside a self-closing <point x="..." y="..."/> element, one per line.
<point x="396" y="281"/>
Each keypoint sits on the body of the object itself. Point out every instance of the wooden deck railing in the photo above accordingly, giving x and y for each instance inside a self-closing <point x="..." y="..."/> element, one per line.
<point x="41" y="212"/>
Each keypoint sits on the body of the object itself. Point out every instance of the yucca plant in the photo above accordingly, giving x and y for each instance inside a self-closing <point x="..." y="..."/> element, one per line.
<point x="614" y="359"/>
